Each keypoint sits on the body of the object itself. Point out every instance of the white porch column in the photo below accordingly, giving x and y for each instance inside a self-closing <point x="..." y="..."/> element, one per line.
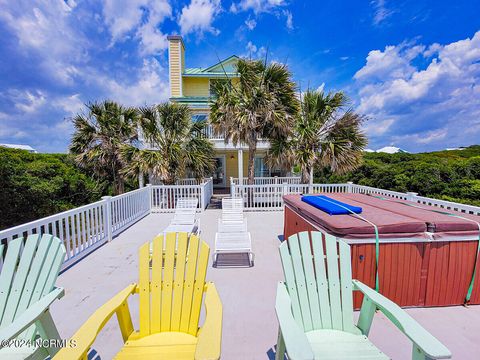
<point x="240" y="166"/>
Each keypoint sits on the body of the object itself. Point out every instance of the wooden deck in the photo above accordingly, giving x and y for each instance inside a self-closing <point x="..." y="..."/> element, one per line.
<point x="248" y="295"/>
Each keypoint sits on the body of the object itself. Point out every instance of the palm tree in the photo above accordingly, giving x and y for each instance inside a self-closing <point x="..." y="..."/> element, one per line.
<point x="175" y="145"/>
<point x="98" y="138"/>
<point x="262" y="105"/>
<point x="323" y="135"/>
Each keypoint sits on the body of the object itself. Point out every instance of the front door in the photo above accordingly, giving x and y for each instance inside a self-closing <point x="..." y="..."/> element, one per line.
<point x="219" y="178"/>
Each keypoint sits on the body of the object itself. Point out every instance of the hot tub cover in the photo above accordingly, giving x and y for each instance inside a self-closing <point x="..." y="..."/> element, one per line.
<point x="390" y="225"/>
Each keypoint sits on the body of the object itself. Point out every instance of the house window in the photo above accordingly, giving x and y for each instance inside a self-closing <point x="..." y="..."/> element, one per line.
<point x="260" y="168"/>
<point x="199" y="117"/>
<point x="215" y="83"/>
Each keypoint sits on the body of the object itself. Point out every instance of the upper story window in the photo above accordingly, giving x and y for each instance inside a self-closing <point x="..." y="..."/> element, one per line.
<point x="199" y="117"/>
<point x="215" y="83"/>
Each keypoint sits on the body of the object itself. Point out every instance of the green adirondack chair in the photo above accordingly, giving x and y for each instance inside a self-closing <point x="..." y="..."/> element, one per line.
<point x="315" y="306"/>
<point x="27" y="288"/>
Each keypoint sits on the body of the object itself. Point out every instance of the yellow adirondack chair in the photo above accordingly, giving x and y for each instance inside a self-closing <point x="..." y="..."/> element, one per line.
<point x="169" y="307"/>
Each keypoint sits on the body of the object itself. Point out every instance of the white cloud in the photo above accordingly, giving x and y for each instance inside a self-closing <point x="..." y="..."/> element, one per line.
<point x="150" y="87"/>
<point x="378" y="127"/>
<point x="250" y="23"/>
<point x="71" y="104"/>
<point x="254" y="51"/>
<point x="258" y="6"/>
<point x="144" y="17"/>
<point x="423" y="138"/>
<point x="381" y="11"/>
<point x="289" y="21"/>
<point x="153" y="41"/>
<point x="321" y="87"/>
<point x="433" y="105"/>
<point x="123" y="16"/>
<point x="45" y="30"/>
<point x="25" y="101"/>
<point x="199" y="15"/>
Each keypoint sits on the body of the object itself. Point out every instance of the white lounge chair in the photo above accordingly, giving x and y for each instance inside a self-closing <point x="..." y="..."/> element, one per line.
<point x="232" y="236"/>
<point x="233" y="243"/>
<point x="184" y="218"/>
<point x="232" y="219"/>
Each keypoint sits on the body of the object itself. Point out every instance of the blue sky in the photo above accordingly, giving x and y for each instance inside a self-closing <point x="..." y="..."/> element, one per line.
<point x="413" y="67"/>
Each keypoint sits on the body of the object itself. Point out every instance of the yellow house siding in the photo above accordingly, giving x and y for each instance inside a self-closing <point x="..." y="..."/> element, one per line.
<point x="195" y="86"/>
<point x="175" y="67"/>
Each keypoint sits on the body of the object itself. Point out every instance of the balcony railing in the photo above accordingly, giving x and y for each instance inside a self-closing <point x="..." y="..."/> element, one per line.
<point x="210" y="134"/>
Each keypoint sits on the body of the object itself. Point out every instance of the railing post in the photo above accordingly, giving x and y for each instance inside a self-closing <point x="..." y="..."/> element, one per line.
<point x="349" y="186"/>
<point x="411" y="196"/>
<point x="150" y="197"/>
<point x="202" y="197"/>
<point x="108" y="217"/>
<point x="232" y="187"/>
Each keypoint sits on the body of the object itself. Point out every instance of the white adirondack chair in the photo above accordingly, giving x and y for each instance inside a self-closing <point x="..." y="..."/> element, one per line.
<point x="27" y="289"/>
<point x="184" y="218"/>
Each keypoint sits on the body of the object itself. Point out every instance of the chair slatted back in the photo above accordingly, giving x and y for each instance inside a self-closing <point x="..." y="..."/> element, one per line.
<point x="185" y="211"/>
<point x="29" y="272"/>
<point x="232" y="210"/>
<point x="171" y="289"/>
<point x="318" y="276"/>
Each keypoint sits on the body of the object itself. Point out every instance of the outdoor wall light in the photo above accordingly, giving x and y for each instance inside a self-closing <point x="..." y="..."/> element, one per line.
<point x="232" y="156"/>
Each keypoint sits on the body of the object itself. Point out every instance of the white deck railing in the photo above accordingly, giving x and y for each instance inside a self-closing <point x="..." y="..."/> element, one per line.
<point x="164" y="197"/>
<point x="269" y="197"/>
<point x="85" y="228"/>
<point x="414" y="197"/>
<point x="269" y="180"/>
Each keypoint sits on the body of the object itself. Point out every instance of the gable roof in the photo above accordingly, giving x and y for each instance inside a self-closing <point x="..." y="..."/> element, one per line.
<point x="224" y="68"/>
<point x="222" y="64"/>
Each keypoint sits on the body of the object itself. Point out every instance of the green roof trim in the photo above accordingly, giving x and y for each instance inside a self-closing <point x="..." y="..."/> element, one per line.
<point x="208" y="72"/>
<point x="230" y="58"/>
<point x="193" y="101"/>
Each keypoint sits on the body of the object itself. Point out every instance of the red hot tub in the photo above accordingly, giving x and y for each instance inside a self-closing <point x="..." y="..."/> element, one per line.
<point x="426" y="257"/>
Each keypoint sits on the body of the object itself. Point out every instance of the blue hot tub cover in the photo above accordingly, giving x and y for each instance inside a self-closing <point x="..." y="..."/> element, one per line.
<point x="330" y="206"/>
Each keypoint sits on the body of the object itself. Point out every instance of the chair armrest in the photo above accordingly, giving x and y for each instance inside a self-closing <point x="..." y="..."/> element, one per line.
<point x="210" y="335"/>
<point x="296" y="342"/>
<point x="426" y="342"/>
<point x="30" y="315"/>
<point x="85" y="336"/>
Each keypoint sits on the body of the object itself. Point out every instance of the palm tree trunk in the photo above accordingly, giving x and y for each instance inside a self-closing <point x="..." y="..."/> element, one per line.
<point x="252" y="149"/>
<point x="119" y="185"/>
<point x="305" y="175"/>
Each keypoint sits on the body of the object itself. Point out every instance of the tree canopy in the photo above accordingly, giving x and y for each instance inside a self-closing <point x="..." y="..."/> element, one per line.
<point x="38" y="185"/>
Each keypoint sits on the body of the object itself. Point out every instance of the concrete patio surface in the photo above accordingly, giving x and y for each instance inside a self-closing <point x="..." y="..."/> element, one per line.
<point x="248" y="295"/>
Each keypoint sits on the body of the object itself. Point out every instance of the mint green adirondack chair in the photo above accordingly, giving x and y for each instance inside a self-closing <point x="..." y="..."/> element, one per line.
<point x="315" y="306"/>
<point x="27" y="288"/>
